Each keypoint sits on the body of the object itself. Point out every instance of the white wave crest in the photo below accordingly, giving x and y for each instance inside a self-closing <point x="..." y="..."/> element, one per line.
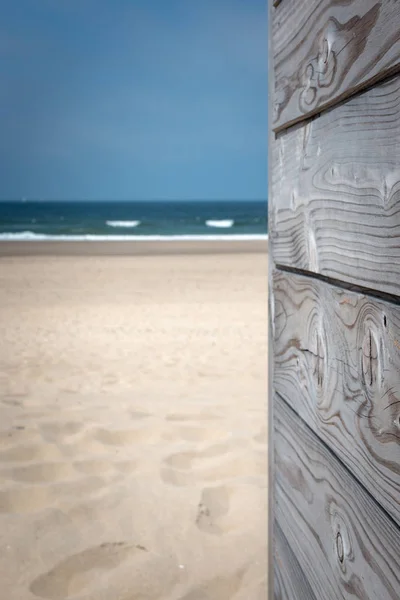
<point x="224" y="223"/>
<point x="122" y="223"/>
<point x="22" y="236"/>
<point x="28" y="236"/>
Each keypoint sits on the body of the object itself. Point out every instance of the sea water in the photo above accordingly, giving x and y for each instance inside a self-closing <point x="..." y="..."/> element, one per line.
<point x="144" y="220"/>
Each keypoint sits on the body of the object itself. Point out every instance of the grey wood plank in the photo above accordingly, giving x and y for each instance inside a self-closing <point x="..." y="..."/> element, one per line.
<point x="290" y="581"/>
<point x="337" y="363"/>
<point x="326" y="50"/>
<point x="335" y="192"/>
<point x="345" y="544"/>
<point x="271" y="146"/>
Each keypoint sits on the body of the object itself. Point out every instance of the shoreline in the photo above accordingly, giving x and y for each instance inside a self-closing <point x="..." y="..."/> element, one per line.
<point x="130" y="248"/>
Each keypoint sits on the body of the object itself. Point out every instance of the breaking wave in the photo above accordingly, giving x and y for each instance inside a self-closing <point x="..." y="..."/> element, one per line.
<point x="223" y="223"/>
<point x="123" y="223"/>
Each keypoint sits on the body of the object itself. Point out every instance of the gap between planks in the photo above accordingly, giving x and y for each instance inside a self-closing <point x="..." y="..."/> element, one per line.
<point x="338" y="283"/>
<point x="339" y="460"/>
<point x="351" y="74"/>
<point x="339" y="101"/>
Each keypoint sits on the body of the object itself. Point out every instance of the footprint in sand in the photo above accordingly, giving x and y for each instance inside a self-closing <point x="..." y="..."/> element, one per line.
<point x="181" y="468"/>
<point x="214" y="504"/>
<point x="79" y="571"/>
<point x="187" y="468"/>
<point x="185" y="460"/>
<point x="176" y="477"/>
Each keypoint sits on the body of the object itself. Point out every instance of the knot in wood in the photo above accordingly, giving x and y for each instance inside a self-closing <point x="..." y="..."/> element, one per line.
<point x="326" y="62"/>
<point x="312" y="250"/>
<point x="319" y="360"/>
<point x="369" y="358"/>
<point x="339" y="547"/>
<point x="308" y="94"/>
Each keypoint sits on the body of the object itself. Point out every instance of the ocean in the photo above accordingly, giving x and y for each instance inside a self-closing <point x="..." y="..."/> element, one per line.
<point x="116" y="220"/>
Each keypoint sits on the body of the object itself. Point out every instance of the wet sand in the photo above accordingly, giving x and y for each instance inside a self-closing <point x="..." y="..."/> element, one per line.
<point x="130" y="248"/>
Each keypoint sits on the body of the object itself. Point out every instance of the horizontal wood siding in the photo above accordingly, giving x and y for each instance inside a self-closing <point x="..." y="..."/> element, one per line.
<point x="337" y="363"/>
<point x="325" y="50"/>
<point x="345" y="544"/>
<point x="336" y="192"/>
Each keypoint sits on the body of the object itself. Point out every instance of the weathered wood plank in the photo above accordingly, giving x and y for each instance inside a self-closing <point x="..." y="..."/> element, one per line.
<point x="270" y="483"/>
<point x="345" y="544"/>
<point x="337" y="363"/>
<point x="326" y="50"/>
<point x="336" y="192"/>
<point x="290" y="581"/>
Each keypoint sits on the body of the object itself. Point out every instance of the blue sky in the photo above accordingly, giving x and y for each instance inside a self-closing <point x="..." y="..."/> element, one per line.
<point x="133" y="99"/>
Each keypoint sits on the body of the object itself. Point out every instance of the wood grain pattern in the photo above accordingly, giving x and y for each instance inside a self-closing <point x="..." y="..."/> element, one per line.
<point x="337" y="363"/>
<point x="345" y="544"/>
<point x="335" y="192"/>
<point x="326" y="50"/>
<point x="270" y="482"/>
<point x="289" y="579"/>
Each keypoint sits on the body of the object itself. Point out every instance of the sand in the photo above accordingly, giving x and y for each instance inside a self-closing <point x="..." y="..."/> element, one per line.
<point x="133" y="449"/>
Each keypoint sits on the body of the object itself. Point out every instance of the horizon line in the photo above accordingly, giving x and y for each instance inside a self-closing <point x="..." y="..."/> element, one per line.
<point x="33" y="199"/>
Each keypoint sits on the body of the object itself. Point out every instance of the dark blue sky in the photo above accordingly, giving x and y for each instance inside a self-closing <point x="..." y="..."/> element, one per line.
<point x="133" y="99"/>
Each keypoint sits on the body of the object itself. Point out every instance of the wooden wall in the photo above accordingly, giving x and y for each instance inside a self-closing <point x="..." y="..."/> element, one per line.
<point x="334" y="227"/>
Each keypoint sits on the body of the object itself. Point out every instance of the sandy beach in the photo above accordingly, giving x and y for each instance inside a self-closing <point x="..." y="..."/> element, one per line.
<point x="133" y="446"/>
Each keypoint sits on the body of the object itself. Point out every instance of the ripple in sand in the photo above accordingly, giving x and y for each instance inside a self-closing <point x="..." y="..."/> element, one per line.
<point x="33" y="498"/>
<point x="200" y="434"/>
<point x="183" y="417"/>
<point x="29" y="453"/>
<point x="221" y="588"/>
<point x="79" y="571"/>
<point x="14" y="399"/>
<point x="17" y="435"/>
<point x="123" y="437"/>
<point x="103" y="467"/>
<point x="41" y="473"/>
<point x="57" y="431"/>
<point x="24" y="500"/>
<point x="139" y="414"/>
